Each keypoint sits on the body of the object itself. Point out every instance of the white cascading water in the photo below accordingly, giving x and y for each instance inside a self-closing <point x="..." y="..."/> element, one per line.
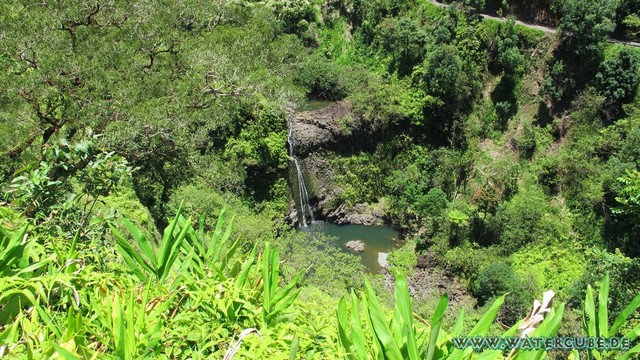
<point x="303" y="194"/>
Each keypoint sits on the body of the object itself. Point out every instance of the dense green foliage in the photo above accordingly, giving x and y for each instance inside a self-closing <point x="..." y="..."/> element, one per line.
<point x="508" y="158"/>
<point x="203" y="296"/>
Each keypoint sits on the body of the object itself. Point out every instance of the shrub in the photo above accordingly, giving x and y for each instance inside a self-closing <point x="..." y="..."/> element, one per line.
<point x="618" y="79"/>
<point x="518" y="222"/>
<point x="527" y="143"/>
<point x="495" y="279"/>
<point x="435" y="202"/>
<point x="508" y="57"/>
<point x="323" y="79"/>
<point x="295" y="15"/>
<point x="403" y="260"/>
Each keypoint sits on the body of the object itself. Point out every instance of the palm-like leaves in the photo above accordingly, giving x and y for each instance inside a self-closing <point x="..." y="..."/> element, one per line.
<point x="275" y="300"/>
<point x="596" y="323"/>
<point x="395" y="340"/>
<point x="145" y="261"/>
<point x="206" y="250"/>
<point x="16" y="253"/>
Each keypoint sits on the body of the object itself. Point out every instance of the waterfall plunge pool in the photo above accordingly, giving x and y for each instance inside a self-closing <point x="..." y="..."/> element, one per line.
<point x="316" y="104"/>
<point x="376" y="239"/>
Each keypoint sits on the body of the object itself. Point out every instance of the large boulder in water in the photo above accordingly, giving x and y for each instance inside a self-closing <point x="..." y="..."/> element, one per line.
<point x="356" y="245"/>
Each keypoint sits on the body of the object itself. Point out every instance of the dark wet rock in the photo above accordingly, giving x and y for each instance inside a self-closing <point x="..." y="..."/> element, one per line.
<point x="327" y="128"/>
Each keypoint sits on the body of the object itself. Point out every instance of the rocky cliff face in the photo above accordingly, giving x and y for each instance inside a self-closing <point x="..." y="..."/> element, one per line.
<point x="332" y="129"/>
<point x="324" y="129"/>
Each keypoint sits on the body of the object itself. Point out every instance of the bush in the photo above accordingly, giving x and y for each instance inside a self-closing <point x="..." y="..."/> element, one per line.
<point x="507" y="56"/>
<point x="494" y="280"/>
<point x="403" y="260"/>
<point x="295" y="15"/>
<point x="323" y="79"/>
<point x="554" y="266"/>
<point x="585" y="26"/>
<point x="326" y="267"/>
<point x="527" y="143"/>
<point x="435" y="202"/>
<point x="465" y="260"/>
<point x="618" y="79"/>
<point x="498" y="279"/>
<point x="624" y="278"/>
<point x="519" y="221"/>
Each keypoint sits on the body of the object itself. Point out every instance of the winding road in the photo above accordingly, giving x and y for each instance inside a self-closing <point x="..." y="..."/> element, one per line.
<point x="547" y="30"/>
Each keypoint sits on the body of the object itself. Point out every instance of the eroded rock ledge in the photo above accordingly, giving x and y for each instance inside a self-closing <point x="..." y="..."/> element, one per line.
<point x="327" y="128"/>
<point x="360" y="214"/>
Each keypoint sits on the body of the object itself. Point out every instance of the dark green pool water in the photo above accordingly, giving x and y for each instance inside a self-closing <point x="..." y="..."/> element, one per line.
<point x="312" y="105"/>
<point x="377" y="239"/>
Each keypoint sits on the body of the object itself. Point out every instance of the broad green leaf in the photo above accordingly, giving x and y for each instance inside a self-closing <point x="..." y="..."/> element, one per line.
<point x="630" y="352"/>
<point x="67" y="355"/>
<point x="551" y="324"/>
<point x="457" y="328"/>
<point x="11" y="333"/>
<point x="633" y="333"/>
<point x="135" y="262"/>
<point x="232" y="250"/>
<point x="294" y="347"/>
<point x="624" y="314"/>
<point x="282" y="305"/>
<point x="128" y="310"/>
<point x="357" y="334"/>
<point x="221" y="241"/>
<point x="50" y="321"/>
<point x="482" y="326"/>
<point x="548" y="328"/>
<point x="603" y="300"/>
<point x="380" y="327"/>
<point x="274" y="271"/>
<point x="165" y="267"/>
<point x="490" y="355"/>
<point x="168" y="239"/>
<point x="215" y="239"/>
<point x="286" y="290"/>
<point x="512" y="331"/>
<point x="436" y="323"/>
<point x="266" y="278"/>
<point x="403" y="301"/>
<point x="378" y="350"/>
<point x="343" y="326"/>
<point x="589" y="313"/>
<point x="142" y="241"/>
<point x="241" y="279"/>
<point x="119" y="331"/>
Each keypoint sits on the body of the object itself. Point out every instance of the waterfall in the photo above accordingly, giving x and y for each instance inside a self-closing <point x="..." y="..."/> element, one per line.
<point x="303" y="195"/>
